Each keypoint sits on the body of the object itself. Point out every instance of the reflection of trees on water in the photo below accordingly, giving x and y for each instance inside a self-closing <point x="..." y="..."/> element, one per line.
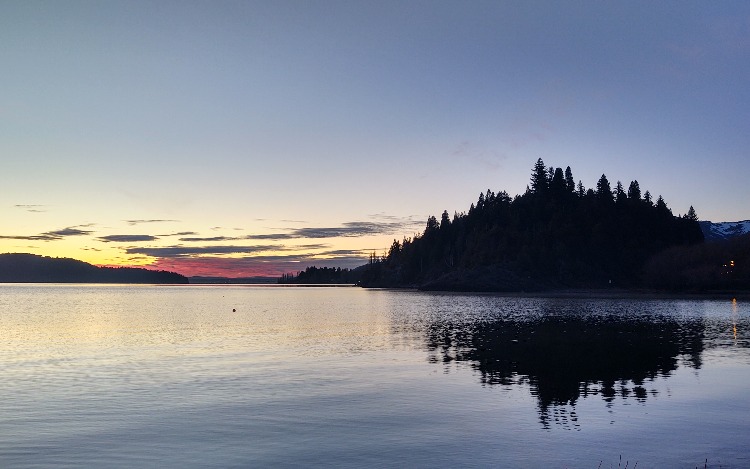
<point x="563" y="359"/>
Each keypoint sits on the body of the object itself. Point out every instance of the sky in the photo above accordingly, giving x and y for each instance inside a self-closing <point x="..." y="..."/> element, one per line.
<point x="243" y="138"/>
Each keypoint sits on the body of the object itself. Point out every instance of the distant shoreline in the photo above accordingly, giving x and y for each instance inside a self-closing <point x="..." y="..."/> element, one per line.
<point x="573" y="293"/>
<point x="594" y="293"/>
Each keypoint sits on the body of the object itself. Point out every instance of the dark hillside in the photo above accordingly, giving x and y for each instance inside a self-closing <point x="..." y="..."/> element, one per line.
<point x="557" y="234"/>
<point x="30" y="268"/>
<point x="719" y="265"/>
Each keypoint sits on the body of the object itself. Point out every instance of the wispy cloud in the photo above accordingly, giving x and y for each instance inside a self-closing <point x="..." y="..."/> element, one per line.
<point x="310" y="247"/>
<point x="31" y="208"/>
<point x="32" y="238"/>
<point x="487" y="157"/>
<point x="209" y="239"/>
<point x="217" y="228"/>
<point x="139" y="222"/>
<point x="52" y="235"/>
<point x="65" y="232"/>
<point x="179" y="233"/>
<point x="359" y="253"/>
<point x="127" y="238"/>
<point x="387" y="225"/>
<point x="273" y="236"/>
<point x="188" y="251"/>
<point x="354" y="229"/>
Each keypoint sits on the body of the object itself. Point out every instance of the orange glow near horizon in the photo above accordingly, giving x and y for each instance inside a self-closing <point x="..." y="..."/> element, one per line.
<point x="259" y="258"/>
<point x="236" y="267"/>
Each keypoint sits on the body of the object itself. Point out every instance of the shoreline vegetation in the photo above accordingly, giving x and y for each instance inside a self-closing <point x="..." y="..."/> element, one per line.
<point x="558" y="236"/>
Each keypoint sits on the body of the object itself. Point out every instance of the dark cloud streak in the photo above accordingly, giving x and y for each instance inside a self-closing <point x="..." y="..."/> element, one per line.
<point x="52" y="235"/>
<point x="32" y="238"/>
<point x="70" y="231"/>
<point x="127" y="238"/>
<point x="138" y="222"/>
<point x="277" y="236"/>
<point x="354" y="229"/>
<point x="32" y="208"/>
<point x="211" y="239"/>
<point x="180" y="233"/>
<point x="187" y="251"/>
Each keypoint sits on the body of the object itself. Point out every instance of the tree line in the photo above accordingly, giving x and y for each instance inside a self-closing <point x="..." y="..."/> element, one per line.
<point x="321" y="275"/>
<point x="557" y="234"/>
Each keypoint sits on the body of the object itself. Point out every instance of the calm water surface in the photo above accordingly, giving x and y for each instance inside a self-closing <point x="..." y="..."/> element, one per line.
<point x="159" y="376"/>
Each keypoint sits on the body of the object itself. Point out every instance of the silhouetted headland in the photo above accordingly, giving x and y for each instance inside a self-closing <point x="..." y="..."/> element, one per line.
<point x="560" y="235"/>
<point x="31" y="268"/>
<point x="557" y="236"/>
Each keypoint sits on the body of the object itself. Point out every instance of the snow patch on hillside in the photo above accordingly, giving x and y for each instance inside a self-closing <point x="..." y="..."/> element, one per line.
<point x="724" y="230"/>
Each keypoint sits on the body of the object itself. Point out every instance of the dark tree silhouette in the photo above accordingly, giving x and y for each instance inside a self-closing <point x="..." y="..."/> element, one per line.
<point x="548" y="237"/>
<point x="28" y="268"/>
<point x="330" y="275"/>
<point x="539" y="181"/>
<point x="604" y="190"/>
<point x="634" y="191"/>
<point x="691" y="215"/>
<point x="570" y="184"/>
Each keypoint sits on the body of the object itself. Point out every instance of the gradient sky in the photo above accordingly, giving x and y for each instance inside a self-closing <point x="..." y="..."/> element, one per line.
<point x="256" y="138"/>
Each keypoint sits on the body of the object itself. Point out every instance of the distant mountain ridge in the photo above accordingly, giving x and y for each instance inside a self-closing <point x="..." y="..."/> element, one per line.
<point x="32" y="268"/>
<point x="724" y="230"/>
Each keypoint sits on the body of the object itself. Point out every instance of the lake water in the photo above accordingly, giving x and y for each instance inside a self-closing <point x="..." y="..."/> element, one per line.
<point x="265" y="376"/>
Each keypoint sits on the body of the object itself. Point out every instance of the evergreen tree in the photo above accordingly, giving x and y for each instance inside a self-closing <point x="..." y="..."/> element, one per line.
<point x="445" y="221"/>
<point x="432" y="224"/>
<point x="620" y="196"/>
<point x="570" y="184"/>
<point x="634" y="191"/>
<point x="580" y="190"/>
<point x="539" y="183"/>
<point x="691" y="215"/>
<point x="661" y="205"/>
<point x="395" y="249"/>
<point x="604" y="190"/>
<point x="557" y="184"/>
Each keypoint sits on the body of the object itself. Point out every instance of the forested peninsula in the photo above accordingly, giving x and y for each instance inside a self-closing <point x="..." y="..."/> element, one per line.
<point x="31" y="268"/>
<point x="558" y="235"/>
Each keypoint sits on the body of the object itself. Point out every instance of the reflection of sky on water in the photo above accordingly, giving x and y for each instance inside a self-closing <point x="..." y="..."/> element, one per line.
<point x="564" y="356"/>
